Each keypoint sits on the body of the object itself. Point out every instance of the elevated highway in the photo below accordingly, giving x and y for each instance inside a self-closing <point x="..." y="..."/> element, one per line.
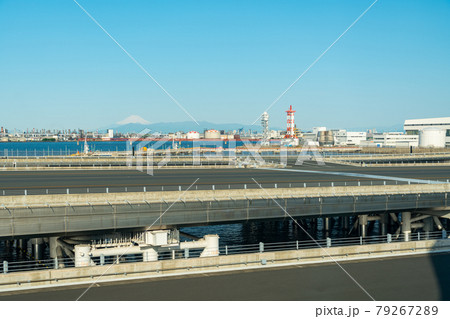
<point x="69" y="202"/>
<point x="14" y="182"/>
<point x="35" y="215"/>
<point x="442" y="158"/>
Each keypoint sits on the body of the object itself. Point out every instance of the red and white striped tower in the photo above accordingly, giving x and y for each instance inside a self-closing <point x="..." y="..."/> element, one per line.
<point x="290" y="133"/>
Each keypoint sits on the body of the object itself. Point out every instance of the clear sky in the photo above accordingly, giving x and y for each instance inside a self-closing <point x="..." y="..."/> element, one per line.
<point x="224" y="61"/>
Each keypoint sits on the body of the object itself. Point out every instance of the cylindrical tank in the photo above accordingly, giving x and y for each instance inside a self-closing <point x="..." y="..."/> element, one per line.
<point x="326" y="138"/>
<point x="432" y="137"/>
<point x="212" y="134"/>
<point x="193" y="135"/>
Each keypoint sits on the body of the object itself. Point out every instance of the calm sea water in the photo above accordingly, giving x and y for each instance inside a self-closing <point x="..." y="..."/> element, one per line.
<point x="68" y="148"/>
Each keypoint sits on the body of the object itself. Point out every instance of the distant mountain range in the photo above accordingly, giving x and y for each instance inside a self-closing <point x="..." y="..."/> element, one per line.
<point x="136" y="124"/>
<point x="380" y="129"/>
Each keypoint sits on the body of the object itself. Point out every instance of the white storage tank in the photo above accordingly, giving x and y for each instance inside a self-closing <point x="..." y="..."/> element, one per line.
<point x="212" y="134"/>
<point x="193" y="135"/>
<point x="432" y="137"/>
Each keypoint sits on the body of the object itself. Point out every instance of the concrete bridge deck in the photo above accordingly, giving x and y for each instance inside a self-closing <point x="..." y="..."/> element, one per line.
<point x="71" y="213"/>
<point x="42" y="180"/>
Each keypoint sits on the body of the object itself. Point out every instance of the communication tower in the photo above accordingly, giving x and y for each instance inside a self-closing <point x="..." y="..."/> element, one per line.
<point x="290" y="131"/>
<point x="265" y="127"/>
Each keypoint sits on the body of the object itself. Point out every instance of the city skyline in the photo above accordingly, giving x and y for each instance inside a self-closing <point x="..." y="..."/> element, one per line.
<point x="224" y="63"/>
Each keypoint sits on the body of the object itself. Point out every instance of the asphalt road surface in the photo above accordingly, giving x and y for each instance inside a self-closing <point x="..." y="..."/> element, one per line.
<point x="19" y="180"/>
<point x="424" y="277"/>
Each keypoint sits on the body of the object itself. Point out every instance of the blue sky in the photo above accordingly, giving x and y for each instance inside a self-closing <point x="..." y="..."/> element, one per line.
<point x="224" y="61"/>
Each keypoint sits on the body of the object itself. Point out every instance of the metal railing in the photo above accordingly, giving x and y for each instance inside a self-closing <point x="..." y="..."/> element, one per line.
<point x="58" y="263"/>
<point x="356" y="155"/>
<point x="109" y="163"/>
<point x="162" y="188"/>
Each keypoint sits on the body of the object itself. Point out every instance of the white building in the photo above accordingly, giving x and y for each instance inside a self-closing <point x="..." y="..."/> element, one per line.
<point x="318" y="129"/>
<point x="314" y="135"/>
<point x="342" y="137"/>
<point x="355" y="138"/>
<point x="413" y="127"/>
<point x="395" y="139"/>
<point x="308" y="136"/>
<point x="109" y="134"/>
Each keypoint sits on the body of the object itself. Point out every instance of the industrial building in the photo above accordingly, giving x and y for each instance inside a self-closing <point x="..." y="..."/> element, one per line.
<point x="395" y="139"/>
<point x="413" y="127"/>
<point x="342" y="137"/>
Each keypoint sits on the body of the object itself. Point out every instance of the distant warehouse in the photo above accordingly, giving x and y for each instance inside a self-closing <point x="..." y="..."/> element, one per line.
<point x="433" y="127"/>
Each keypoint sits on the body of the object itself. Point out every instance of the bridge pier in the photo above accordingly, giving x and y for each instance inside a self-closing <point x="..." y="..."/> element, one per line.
<point x="326" y="223"/>
<point x="53" y="246"/>
<point x="150" y="254"/>
<point x="345" y="222"/>
<point x="36" y="248"/>
<point x="20" y="243"/>
<point x="383" y="224"/>
<point x="363" y="221"/>
<point x="406" y="225"/>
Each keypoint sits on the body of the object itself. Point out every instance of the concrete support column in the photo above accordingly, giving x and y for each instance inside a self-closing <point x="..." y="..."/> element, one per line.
<point x="383" y="224"/>
<point x="150" y="254"/>
<point x="406" y="225"/>
<point x="53" y="246"/>
<point x="345" y="222"/>
<point x="363" y="225"/>
<point x="36" y="244"/>
<point x="326" y="224"/>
